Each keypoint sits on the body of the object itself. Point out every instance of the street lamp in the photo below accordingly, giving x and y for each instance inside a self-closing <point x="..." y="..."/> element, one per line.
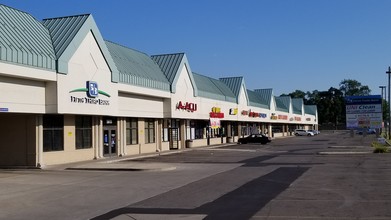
<point x="388" y="112"/>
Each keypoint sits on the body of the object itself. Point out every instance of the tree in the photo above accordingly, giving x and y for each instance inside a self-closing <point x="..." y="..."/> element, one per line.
<point x="331" y="106"/>
<point x="297" y="94"/>
<point x="351" y="87"/>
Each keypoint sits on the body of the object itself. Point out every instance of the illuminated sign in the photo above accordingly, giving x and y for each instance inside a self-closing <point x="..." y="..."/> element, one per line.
<point x="283" y="117"/>
<point x="92" y="93"/>
<point x="262" y="115"/>
<point x="233" y="111"/>
<point x="216" y="113"/>
<point x="188" y="106"/>
<point x="244" y="112"/>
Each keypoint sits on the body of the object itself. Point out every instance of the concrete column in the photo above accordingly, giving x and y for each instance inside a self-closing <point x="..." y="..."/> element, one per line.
<point x="159" y="139"/>
<point x="95" y="136"/>
<point x="270" y="130"/>
<point x="229" y="129"/>
<point x="39" y="140"/>
<point x="100" y="137"/>
<point x="121" y="136"/>
<point x="183" y="133"/>
<point x="239" y="130"/>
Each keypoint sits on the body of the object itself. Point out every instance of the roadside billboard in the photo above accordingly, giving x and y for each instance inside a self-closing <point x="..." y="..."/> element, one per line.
<point x="364" y="111"/>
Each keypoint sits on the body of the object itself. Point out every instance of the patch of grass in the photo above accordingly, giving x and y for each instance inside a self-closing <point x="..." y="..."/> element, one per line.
<point x="379" y="147"/>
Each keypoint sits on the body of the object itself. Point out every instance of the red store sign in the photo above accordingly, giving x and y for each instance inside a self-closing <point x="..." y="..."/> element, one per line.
<point x="188" y="106"/>
<point x="216" y="113"/>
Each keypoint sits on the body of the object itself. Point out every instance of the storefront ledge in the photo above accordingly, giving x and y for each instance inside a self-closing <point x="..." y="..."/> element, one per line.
<point x="343" y="152"/>
<point x="120" y="169"/>
<point x="19" y="168"/>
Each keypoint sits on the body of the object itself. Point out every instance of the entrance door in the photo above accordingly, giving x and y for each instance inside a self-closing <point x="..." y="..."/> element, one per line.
<point x="174" y="138"/>
<point x="109" y="141"/>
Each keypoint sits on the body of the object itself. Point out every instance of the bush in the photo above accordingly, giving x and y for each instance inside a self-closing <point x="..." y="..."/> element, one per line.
<point x="379" y="147"/>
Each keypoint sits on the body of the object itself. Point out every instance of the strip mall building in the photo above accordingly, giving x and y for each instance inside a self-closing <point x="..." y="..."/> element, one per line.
<point x="68" y="95"/>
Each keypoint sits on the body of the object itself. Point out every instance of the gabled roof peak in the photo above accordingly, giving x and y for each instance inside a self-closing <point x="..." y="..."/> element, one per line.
<point x="69" y="16"/>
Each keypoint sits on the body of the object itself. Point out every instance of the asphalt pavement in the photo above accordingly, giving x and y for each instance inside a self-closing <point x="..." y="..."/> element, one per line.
<point x="347" y="144"/>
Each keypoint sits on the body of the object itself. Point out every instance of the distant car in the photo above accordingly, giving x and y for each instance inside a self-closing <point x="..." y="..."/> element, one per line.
<point x="316" y="132"/>
<point x="255" y="138"/>
<point x="367" y="130"/>
<point x="302" y="132"/>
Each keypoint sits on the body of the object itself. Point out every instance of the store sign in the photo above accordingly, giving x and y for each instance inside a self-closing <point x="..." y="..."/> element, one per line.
<point x="244" y="112"/>
<point x="273" y="116"/>
<point x="364" y="111"/>
<point x="188" y="106"/>
<point x="216" y="113"/>
<point x="215" y="123"/>
<point x="297" y="118"/>
<point x="308" y="119"/>
<point x="91" y="95"/>
<point x="233" y="111"/>
<point x="4" y="109"/>
<point x="283" y="117"/>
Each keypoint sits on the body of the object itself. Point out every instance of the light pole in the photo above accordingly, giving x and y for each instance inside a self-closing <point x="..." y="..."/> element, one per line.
<point x="388" y="111"/>
<point x="383" y="88"/>
<point x="383" y="92"/>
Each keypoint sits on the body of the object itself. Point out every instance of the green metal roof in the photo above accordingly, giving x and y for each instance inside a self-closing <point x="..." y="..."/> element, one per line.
<point x="310" y="109"/>
<point x="235" y="84"/>
<point x="66" y="32"/>
<point x="63" y="30"/>
<point x="137" y="68"/>
<point x="213" y="88"/>
<point x="282" y="103"/>
<point x="255" y="99"/>
<point x="266" y="96"/>
<point x="297" y="105"/>
<point x="24" y="40"/>
<point x="171" y="65"/>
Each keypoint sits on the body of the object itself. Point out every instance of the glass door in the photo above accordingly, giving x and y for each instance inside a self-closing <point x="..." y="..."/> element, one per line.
<point x="109" y="142"/>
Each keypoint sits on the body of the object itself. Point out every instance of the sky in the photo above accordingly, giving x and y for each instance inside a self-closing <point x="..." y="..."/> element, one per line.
<point x="285" y="45"/>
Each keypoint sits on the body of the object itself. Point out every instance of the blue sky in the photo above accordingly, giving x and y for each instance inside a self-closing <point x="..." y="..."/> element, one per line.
<point x="281" y="44"/>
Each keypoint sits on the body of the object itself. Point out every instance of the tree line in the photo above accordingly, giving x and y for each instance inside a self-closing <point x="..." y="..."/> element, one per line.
<point x="331" y="103"/>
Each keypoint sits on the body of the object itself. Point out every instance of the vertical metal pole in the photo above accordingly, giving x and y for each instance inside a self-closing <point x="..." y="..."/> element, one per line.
<point x="388" y="112"/>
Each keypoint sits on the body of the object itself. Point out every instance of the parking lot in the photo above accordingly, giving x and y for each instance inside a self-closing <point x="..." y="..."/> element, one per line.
<point x="328" y="176"/>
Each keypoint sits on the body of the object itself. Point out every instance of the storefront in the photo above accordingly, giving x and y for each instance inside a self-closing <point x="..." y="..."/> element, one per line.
<point x="84" y="98"/>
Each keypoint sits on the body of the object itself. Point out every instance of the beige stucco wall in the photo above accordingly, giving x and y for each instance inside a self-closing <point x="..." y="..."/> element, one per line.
<point x="70" y="153"/>
<point x="22" y="95"/>
<point x="132" y="105"/>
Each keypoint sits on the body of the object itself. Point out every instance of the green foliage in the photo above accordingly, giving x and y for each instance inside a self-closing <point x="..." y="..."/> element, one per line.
<point x="331" y="103"/>
<point x="351" y="87"/>
<point x="379" y="147"/>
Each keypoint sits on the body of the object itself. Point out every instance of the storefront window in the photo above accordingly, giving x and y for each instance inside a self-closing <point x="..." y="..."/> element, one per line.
<point x="131" y="131"/>
<point x="277" y="128"/>
<point x="149" y="131"/>
<point x="53" y="133"/>
<point x="168" y="126"/>
<point x="199" y="129"/>
<point x="83" y="132"/>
